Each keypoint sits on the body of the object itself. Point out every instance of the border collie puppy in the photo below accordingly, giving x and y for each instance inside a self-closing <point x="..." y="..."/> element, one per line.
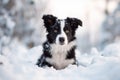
<point x="59" y="49"/>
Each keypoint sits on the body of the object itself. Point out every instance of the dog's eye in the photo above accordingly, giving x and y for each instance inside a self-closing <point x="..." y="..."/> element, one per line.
<point x="66" y="23"/>
<point x="67" y="31"/>
<point x="55" y="31"/>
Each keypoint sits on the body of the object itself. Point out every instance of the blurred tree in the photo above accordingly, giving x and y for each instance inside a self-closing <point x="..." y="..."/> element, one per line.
<point x="6" y="23"/>
<point x="106" y="8"/>
<point x="18" y="20"/>
<point x="111" y="27"/>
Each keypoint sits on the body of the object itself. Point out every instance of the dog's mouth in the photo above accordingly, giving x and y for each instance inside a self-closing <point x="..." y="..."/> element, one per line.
<point x="62" y="43"/>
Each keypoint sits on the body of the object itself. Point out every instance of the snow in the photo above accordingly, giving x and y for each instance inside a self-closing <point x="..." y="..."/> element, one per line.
<point x="96" y="65"/>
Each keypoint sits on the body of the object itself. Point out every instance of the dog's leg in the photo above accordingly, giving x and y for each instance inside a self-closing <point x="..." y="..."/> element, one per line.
<point x="42" y="62"/>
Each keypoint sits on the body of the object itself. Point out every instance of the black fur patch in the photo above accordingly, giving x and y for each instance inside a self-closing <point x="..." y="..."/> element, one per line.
<point x="71" y="53"/>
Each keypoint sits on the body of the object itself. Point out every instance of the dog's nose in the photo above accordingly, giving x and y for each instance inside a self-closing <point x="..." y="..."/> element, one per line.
<point x="61" y="39"/>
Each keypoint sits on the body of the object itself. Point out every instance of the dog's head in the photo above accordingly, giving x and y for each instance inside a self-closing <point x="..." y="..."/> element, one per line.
<point x="61" y="31"/>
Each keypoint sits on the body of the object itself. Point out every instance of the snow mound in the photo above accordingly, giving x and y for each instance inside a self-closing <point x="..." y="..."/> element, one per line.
<point x="112" y="50"/>
<point x="96" y="65"/>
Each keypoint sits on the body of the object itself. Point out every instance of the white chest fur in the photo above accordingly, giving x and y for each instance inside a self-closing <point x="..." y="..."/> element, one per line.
<point x="59" y="53"/>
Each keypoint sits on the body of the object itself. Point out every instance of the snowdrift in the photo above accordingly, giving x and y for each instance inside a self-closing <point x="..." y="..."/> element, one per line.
<point x="96" y="65"/>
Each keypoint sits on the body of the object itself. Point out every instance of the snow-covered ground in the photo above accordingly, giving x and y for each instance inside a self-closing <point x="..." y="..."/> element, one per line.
<point x="96" y="65"/>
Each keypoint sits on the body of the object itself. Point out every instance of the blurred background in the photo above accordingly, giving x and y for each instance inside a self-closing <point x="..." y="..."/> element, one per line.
<point x="21" y="26"/>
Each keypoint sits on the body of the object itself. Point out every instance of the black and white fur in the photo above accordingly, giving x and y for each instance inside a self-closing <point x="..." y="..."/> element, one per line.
<point x="59" y="49"/>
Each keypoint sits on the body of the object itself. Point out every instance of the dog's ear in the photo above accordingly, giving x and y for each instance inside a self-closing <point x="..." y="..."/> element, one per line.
<point x="74" y="22"/>
<point x="49" y="20"/>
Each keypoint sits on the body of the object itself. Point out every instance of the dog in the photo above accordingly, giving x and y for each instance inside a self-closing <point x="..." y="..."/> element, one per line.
<point x="59" y="48"/>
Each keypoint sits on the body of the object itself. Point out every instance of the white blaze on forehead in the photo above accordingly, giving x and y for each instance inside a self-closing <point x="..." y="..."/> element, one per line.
<point x="62" y="23"/>
<point x="62" y="34"/>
